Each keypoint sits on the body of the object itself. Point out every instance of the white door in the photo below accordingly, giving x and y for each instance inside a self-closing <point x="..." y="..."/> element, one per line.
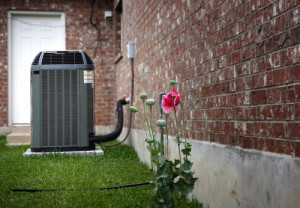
<point x="30" y="33"/>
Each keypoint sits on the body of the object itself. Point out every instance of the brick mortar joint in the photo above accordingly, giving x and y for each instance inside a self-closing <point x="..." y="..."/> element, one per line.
<point x="233" y="24"/>
<point x="244" y="76"/>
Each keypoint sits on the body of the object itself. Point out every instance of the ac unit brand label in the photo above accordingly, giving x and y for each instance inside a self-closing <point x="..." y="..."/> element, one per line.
<point x="88" y="76"/>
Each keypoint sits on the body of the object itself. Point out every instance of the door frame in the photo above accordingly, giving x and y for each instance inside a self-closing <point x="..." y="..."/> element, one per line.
<point x="10" y="15"/>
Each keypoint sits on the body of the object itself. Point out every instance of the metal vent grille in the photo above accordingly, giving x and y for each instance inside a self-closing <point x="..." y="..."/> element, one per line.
<point x="62" y="101"/>
<point x="88" y="59"/>
<point x="62" y="57"/>
<point x="36" y="59"/>
<point x="60" y="111"/>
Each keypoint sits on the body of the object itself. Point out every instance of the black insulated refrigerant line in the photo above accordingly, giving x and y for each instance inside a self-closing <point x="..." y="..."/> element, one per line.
<point x="130" y="55"/>
<point x="86" y="189"/>
<point x="113" y="135"/>
<point x="130" y="113"/>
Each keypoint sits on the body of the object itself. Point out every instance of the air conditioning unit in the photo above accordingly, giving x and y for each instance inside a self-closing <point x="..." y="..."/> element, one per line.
<point x="62" y="101"/>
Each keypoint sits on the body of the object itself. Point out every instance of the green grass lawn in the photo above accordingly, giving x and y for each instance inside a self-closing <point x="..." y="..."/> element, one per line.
<point x="119" y="165"/>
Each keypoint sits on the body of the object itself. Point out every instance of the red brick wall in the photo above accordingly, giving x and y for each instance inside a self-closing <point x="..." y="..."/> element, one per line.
<point x="237" y="64"/>
<point x="80" y="35"/>
<point x="3" y="68"/>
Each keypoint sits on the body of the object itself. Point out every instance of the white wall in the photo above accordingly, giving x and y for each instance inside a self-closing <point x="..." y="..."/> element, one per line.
<point x="234" y="177"/>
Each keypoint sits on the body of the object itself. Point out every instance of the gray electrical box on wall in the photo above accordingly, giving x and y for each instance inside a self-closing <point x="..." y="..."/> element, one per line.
<point x="62" y="101"/>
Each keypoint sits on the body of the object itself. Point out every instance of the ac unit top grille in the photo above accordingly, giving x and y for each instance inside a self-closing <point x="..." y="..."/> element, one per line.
<point x="88" y="59"/>
<point x="36" y="59"/>
<point x="62" y="58"/>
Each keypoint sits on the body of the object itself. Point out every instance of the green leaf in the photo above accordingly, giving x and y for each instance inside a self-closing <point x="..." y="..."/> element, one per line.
<point x="189" y="188"/>
<point x="155" y="190"/>
<point x="183" y="187"/>
<point x="186" y="166"/>
<point x="186" y="151"/>
<point x="154" y="160"/>
<point x="180" y="185"/>
<point x="178" y="141"/>
<point x="178" y="136"/>
<point x="188" y="145"/>
<point x="161" y="159"/>
<point x="177" y="162"/>
<point x="164" y="174"/>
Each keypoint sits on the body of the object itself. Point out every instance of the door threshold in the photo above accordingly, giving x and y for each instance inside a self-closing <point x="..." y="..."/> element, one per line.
<point x="20" y="125"/>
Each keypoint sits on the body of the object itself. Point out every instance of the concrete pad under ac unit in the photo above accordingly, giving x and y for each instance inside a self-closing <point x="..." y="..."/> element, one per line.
<point x="97" y="151"/>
